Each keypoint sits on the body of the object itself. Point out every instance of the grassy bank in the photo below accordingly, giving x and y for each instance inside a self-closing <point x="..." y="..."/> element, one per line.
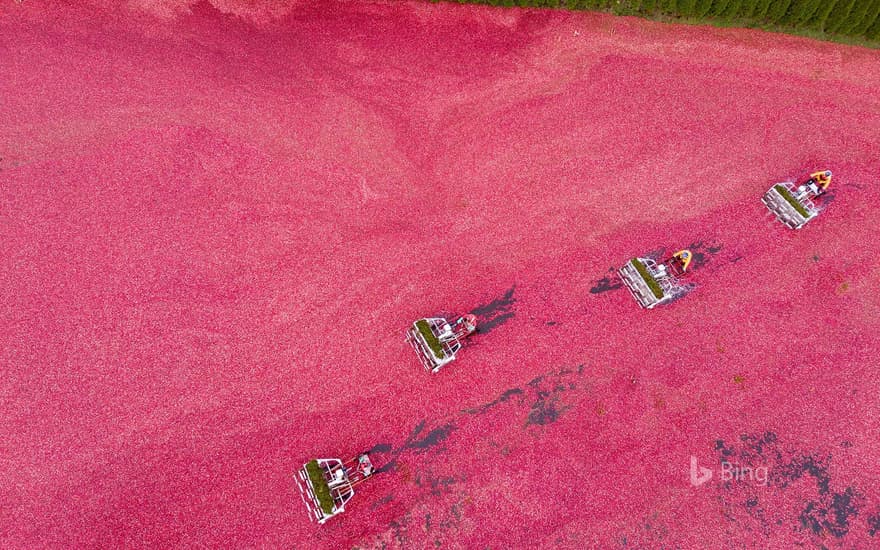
<point x="848" y="21"/>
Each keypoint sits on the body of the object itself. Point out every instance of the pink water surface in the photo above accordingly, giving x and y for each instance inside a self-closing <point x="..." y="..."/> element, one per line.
<point x="217" y="219"/>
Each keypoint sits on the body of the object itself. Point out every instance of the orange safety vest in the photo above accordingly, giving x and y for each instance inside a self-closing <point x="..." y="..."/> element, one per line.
<point x="820" y="178"/>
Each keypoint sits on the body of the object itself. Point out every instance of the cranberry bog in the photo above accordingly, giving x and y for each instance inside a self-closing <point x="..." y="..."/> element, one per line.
<point x="219" y="220"/>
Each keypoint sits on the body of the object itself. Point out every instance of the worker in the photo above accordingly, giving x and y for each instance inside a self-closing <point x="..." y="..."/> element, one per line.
<point x="684" y="257"/>
<point x="819" y="182"/>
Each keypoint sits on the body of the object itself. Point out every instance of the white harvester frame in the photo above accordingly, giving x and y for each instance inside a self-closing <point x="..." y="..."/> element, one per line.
<point x="340" y="478"/>
<point x="670" y="286"/>
<point x="449" y="337"/>
<point x="784" y="211"/>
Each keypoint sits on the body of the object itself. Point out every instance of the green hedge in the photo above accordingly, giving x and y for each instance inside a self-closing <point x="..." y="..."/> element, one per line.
<point x="649" y="279"/>
<point x="852" y="19"/>
<point x="319" y="486"/>
<point x="792" y="201"/>
<point x="429" y="337"/>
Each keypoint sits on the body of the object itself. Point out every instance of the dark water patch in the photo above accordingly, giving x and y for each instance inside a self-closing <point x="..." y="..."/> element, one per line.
<point x="647" y="532"/>
<point x="804" y="465"/>
<point x="698" y="258"/>
<point x="845" y="506"/>
<point x="503" y="398"/>
<point x="543" y="412"/>
<point x="485" y="327"/>
<point x="495" y="313"/>
<point x="399" y="530"/>
<point x="382" y="501"/>
<point x="546" y="409"/>
<point x="507" y="395"/>
<point x="609" y="282"/>
<point x="724" y="449"/>
<point x="498" y="305"/>
<point x="826" y="514"/>
<point x="874" y="524"/>
<point x="441" y="484"/>
<point x="831" y="515"/>
<point x="432" y="438"/>
<point x="389" y="466"/>
<point x="416" y="431"/>
<point x="550" y="323"/>
<point x="381" y="448"/>
<point x="757" y="513"/>
<point x="784" y="468"/>
<point x="759" y="447"/>
<point x="540" y="395"/>
<point x="456" y="510"/>
<point x="701" y="253"/>
<point x="546" y="390"/>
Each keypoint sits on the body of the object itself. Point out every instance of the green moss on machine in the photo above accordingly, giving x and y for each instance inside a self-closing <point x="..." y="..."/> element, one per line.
<point x="430" y="339"/>
<point x="320" y="487"/>
<point x="649" y="279"/>
<point x="789" y="198"/>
